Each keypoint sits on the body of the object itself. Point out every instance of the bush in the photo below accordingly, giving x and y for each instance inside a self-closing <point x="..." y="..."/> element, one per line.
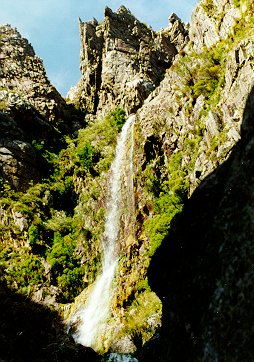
<point x="33" y="235"/>
<point x="117" y="119"/>
<point x="87" y="156"/>
<point x="66" y="269"/>
<point x="23" y="270"/>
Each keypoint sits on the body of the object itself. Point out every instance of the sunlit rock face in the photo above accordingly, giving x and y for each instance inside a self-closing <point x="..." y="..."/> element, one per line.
<point x="23" y="79"/>
<point x="213" y="20"/>
<point x="123" y="60"/>
<point x="203" y="270"/>
<point x="32" y="111"/>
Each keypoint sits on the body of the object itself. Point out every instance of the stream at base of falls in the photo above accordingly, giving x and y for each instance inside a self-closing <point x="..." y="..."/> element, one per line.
<point x="116" y="357"/>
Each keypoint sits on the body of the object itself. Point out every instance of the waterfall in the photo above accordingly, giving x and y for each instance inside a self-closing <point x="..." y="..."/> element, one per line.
<point x="92" y="317"/>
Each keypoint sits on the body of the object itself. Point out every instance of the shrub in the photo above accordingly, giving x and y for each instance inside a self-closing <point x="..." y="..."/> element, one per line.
<point x="23" y="270"/>
<point x="33" y="235"/>
<point x="117" y="119"/>
<point x="87" y="156"/>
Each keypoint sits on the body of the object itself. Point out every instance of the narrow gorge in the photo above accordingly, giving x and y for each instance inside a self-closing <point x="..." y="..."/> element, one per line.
<point x="126" y="210"/>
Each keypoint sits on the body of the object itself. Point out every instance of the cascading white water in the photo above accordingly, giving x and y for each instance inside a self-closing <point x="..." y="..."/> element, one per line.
<point x="92" y="317"/>
<point x="115" y="357"/>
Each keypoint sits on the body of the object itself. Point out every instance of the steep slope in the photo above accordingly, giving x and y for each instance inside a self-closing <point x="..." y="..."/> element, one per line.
<point x="34" y="119"/>
<point x="196" y="130"/>
<point x="123" y="60"/>
<point x="34" y="112"/>
<point x="192" y="177"/>
<point x="114" y="52"/>
<point x="204" y="268"/>
<point x="186" y="127"/>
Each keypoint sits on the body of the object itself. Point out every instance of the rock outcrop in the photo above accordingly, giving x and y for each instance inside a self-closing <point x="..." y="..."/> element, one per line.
<point x="178" y="108"/>
<point x="209" y="258"/>
<point x="23" y="79"/>
<point x="34" y="112"/>
<point x="18" y="160"/>
<point x="206" y="137"/>
<point x="123" y="61"/>
<point x="214" y="20"/>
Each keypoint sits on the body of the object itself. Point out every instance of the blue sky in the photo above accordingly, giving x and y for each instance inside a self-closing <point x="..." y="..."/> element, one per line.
<point x="51" y="26"/>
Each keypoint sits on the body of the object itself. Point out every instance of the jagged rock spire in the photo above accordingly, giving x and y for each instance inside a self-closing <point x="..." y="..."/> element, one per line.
<point x="123" y="61"/>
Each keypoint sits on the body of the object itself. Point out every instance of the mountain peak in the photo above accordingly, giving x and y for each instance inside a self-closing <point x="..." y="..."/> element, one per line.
<point x="123" y="60"/>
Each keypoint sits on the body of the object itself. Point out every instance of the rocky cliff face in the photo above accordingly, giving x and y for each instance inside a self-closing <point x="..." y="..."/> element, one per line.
<point x="23" y="78"/>
<point x="123" y="61"/>
<point x="33" y="111"/>
<point x="206" y="133"/>
<point x="208" y="93"/>
<point x="192" y="91"/>
<point x="209" y="257"/>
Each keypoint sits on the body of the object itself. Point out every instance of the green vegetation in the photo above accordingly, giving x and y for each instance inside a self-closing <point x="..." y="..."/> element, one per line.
<point x="142" y="317"/>
<point x="66" y="271"/>
<point x="22" y="270"/>
<point x="243" y="27"/>
<point x="51" y="233"/>
<point x="203" y="74"/>
<point x="168" y="200"/>
<point x="208" y="6"/>
<point x="3" y="106"/>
